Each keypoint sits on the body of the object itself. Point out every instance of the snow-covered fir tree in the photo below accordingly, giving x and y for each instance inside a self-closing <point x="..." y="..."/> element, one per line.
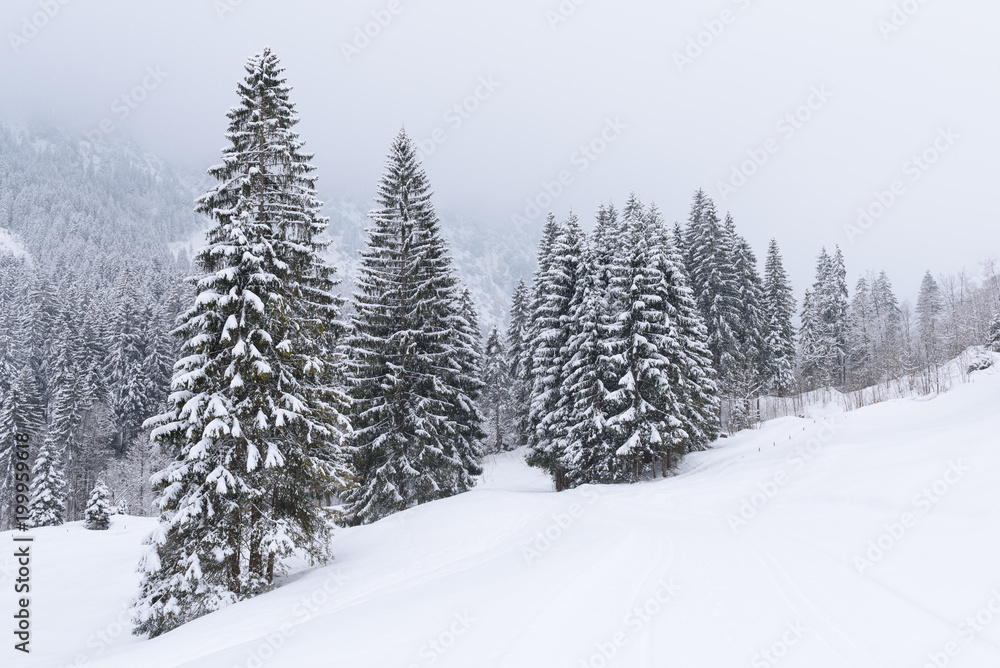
<point x="496" y="397"/>
<point x="994" y="341"/>
<point x="634" y="385"/>
<point x="255" y="429"/>
<point x="518" y="363"/>
<point x="834" y="309"/>
<point x="929" y="310"/>
<point x="97" y="516"/>
<point x="823" y="339"/>
<point x="43" y="309"/>
<point x="48" y="478"/>
<point x="128" y="385"/>
<point x="861" y="342"/>
<point x="692" y="374"/>
<point x="533" y="339"/>
<point x="161" y="351"/>
<point x="749" y="377"/>
<point x="589" y="370"/>
<point x="76" y="377"/>
<point x="887" y="317"/>
<point x="21" y="416"/>
<point x="465" y="413"/>
<point x="415" y="424"/>
<point x="553" y="326"/>
<point x="875" y="340"/>
<point x="711" y="268"/>
<point x="779" y="309"/>
<point x="644" y="406"/>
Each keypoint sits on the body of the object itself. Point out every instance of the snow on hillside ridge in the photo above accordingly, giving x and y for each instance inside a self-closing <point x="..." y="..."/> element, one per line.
<point x="863" y="538"/>
<point x="8" y="244"/>
<point x="934" y="380"/>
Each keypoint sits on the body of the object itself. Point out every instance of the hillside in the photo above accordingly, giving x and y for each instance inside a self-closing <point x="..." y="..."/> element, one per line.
<point x="865" y="538"/>
<point x="87" y="209"/>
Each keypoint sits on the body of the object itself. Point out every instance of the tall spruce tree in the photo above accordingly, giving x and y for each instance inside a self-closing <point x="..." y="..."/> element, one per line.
<point x="415" y="425"/>
<point x="640" y="377"/>
<point x="466" y="416"/>
<point x="644" y="406"/>
<point x="835" y="315"/>
<point x="533" y="338"/>
<point x="862" y="342"/>
<point x="779" y="308"/>
<point x="22" y="417"/>
<point x="43" y="309"/>
<point x="749" y="377"/>
<point x="255" y="431"/>
<point x="128" y="384"/>
<point x="810" y="362"/>
<point x="994" y="340"/>
<point x="496" y="397"/>
<point x="79" y="371"/>
<point x="589" y="370"/>
<point x="711" y="268"/>
<point x="48" y="485"/>
<point x="518" y="362"/>
<point x="887" y="317"/>
<point x="553" y="323"/>
<point x="929" y="310"/>
<point x="48" y="473"/>
<point x="824" y="330"/>
<point x="161" y="352"/>
<point x="691" y="373"/>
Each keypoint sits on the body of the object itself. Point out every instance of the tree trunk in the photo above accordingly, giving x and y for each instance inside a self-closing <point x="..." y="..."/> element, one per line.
<point x="255" y="563"/>
<point x="232" y="567"/>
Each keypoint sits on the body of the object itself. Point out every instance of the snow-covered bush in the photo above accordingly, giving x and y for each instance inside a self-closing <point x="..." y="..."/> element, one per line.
<point x="981" y="360"/>
<point x="99" y="509"/>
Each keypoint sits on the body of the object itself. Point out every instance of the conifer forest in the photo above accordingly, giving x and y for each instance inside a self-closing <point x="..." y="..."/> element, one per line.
<point x="647" y="379"/>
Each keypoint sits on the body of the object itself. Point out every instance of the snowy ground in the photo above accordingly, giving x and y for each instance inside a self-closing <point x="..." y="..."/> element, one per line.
<point x="860" y="539"/>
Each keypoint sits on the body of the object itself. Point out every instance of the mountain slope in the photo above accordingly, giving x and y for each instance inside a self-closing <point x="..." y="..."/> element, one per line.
<point x="80" y="208"/>
<point x="764" y="550"/>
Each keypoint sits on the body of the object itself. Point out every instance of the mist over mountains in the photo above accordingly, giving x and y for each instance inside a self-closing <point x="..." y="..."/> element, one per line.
<point x="92" y="209"/>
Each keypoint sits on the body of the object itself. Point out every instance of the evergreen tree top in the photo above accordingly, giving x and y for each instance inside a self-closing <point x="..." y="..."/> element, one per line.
<point x="633" y="209"/>
<point x="404" y="190"/>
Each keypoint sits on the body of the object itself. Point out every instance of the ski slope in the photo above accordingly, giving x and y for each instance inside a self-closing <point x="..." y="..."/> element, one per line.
<point x="861" y="539"/>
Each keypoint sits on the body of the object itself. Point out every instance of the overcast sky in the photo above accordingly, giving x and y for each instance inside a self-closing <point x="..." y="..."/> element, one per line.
<point x="669" y="96"/>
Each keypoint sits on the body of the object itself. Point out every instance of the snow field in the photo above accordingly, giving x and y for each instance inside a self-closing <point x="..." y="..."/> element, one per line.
<point x="866" y="538"/>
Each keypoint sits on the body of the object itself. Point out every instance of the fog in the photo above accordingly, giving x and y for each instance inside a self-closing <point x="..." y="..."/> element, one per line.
<point x="820" y="108"/>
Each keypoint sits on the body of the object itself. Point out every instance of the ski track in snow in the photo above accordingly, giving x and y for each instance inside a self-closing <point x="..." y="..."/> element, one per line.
<point x="398" y="590"/>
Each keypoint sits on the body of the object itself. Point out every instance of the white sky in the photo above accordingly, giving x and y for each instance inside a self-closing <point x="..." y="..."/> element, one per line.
<point x="890" y="96"/>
